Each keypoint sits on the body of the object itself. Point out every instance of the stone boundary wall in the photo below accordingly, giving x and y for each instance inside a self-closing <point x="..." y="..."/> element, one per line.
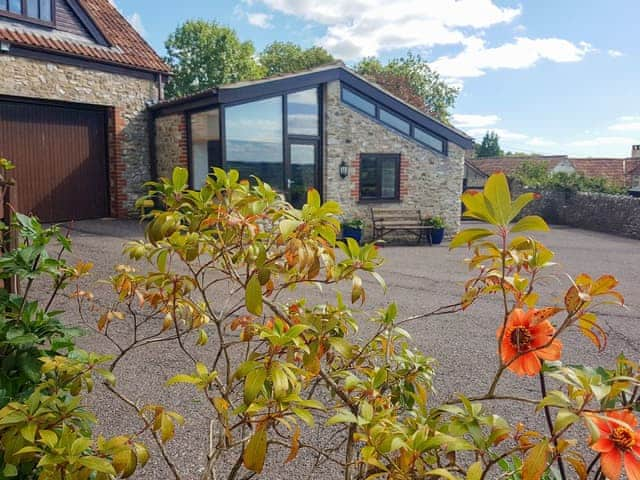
<point x="614" y="214"/>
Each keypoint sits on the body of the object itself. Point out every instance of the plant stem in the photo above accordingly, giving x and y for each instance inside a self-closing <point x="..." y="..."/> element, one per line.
<point x="547" y="414"/>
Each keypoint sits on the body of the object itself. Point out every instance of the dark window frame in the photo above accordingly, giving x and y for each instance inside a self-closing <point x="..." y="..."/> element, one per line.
<point x="412" y="125"/>
<point x="26" y="18"/>
<point x="379" y="157"/>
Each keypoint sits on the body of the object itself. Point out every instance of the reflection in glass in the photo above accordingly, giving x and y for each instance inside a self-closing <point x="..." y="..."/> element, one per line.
<point x="368" y="178"/>
<point x="379" y="177"/>
<point x="359" y="102"/>
<point x="32" y="8"/>
<point x="45" y="10"/>
<point x="205" y="145"/>
<point x="303" y="163"/>
<point x="428" y="139"/>
<point x="303" y="112"/>
<point x="254" y="144"/>
<point x="395" y="122"/>
<point x="15" y="6"/>
<point x="388" y="178"/>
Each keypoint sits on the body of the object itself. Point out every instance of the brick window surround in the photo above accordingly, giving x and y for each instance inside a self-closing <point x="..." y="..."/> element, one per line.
<point x="355" y="178"/>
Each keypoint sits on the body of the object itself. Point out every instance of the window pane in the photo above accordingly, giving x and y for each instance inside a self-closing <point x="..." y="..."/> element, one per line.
<point x="388" y="180"/>
<point x="254" y="140"/>
<point x="15" y="6"/>
<point x="395" y="122"/>
<point x="359" y="102"/>
<point x="32" y="8"/>
<point x="428" y="139"/>
<point x="3" y="4"/>
<point x="303" y="113"/>
<point x="45" y="10"/>
<point x="205" y="145"/>
<point x="368" y="177"/>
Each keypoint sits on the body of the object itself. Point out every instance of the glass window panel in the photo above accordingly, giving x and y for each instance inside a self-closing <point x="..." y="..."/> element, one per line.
<point x="254" y="144"/>
<point x="205" y="145"/>
<point x="428" y="139"/>
<point x="388" y="178"/>
<point x="3" y="4"/>
<point x="395" y="122"/>
<point x="368" y="178"/>
<point x="303" y="113"/>
<point x="359" y="102"/>
<point x="303" y="172"/>
<point x="32" y="8"/>
<point x="45" y="10"/>
<point x="15" y="6"/>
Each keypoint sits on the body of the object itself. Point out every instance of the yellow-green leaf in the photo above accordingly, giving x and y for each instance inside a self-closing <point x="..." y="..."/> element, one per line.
<point x="256" y="451"/>
<point x="475" y="471"/>
<point x="496" y="191"/>
<point x="535" y="463"/>
<point x="253" y="296"/>
<point x="253" y="384"/>
<point x="529" y="223"/>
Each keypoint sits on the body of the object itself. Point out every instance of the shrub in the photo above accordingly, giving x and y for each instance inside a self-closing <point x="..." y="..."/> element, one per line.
<point x="284" y="367"/>
<point x="536" y="175"/>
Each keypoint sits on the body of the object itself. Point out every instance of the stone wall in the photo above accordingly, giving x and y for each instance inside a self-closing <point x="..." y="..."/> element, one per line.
<point x="614" y="214"/>
<point x="429" y="181"/>
<point x="127" y="97"/>
<point x="171" y="143"/>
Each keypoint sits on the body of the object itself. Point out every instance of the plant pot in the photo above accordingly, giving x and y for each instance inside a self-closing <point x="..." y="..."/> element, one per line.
<point x="351" y="232"/>
<point x="437" y="234"/>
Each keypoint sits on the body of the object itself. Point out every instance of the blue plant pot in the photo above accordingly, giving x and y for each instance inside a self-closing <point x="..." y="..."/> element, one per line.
<point x="350" y="232"/>
<point x="437" y="235"/>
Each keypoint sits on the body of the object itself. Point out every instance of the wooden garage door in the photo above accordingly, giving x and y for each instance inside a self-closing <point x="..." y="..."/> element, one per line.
<point x="60" y="153"/>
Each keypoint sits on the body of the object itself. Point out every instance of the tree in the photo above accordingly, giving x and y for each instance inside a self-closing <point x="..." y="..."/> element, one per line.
<point x="205" y="54"/>
<point x="490" y="146"/>
<point x="287" y="57"/>
<point x="411" y="79"/>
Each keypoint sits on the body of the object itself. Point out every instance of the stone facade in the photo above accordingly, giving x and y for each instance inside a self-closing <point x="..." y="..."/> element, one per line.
<point x="171" y="143"/>
<point x="614" y="214"/>
<point x="429" y="181"/>
<point x="126" y="98"/>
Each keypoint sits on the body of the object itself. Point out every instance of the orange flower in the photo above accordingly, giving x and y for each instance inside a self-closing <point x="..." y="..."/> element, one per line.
<point x="618" y="445"/>
<point x="526" y="342"/>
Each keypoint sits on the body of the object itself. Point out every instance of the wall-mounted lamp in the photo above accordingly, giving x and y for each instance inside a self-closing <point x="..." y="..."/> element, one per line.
<point x="5" y="46"/>
<point x="344" y="170"/>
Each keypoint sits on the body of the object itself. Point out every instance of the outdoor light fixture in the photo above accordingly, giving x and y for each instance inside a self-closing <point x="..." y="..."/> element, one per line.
<point x="344" y="170"/>
<point x="5" y="46"/>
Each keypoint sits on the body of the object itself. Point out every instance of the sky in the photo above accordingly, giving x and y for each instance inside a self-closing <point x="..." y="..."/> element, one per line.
<point x="549" y="76"/>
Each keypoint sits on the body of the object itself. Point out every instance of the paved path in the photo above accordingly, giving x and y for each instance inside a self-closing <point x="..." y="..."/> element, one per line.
<point x="419" y="279"/>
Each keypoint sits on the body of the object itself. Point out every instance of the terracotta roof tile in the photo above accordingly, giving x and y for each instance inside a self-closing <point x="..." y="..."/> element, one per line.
<point x="127" y="48"/>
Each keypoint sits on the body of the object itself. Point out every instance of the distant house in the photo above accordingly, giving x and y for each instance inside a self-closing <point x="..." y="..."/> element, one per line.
<point x="623" y="172"/>
<point x="326" y="128"/>
<point x="75" y="82"/>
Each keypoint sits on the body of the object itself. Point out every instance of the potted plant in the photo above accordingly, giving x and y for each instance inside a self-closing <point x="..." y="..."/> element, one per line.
<point x="438" y="229"/>
<point x="352" y="228"/>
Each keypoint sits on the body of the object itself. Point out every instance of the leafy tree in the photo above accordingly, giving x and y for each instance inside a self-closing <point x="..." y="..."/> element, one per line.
<point x="490" y="146"/>
<point x="411" y="79"/>
<point x="205" y="54"/>
<point x="287" y="57"/>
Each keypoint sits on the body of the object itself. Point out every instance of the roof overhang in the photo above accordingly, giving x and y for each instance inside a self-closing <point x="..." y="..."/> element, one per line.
<point x="246" y="91"/>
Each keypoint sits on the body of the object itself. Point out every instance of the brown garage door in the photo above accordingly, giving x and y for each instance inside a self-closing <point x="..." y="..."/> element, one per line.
<point x="60" y="153"/>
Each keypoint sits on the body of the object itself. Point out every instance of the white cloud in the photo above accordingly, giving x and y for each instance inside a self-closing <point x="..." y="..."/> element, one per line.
<point x="603" y="141"/>
<point x="540" y="142"/>
<point x="627" y="123"/>
<point x="503" y="134"/>
<point x="524" y="52"/>
<point x="357" y="28"/>
<point x="136" y="21"/>
<point x="262" y="20"/>
<point x="615" y="53"/>
<point x="463" y="121"/>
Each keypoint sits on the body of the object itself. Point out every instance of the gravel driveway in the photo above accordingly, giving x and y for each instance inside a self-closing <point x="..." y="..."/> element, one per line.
<point x="419" y="279"/>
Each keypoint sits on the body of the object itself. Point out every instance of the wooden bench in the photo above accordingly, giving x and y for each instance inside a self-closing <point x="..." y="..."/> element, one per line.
<point x="386" y="221"/>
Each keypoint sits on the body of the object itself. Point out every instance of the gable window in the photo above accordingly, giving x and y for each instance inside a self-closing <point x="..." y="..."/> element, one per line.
<point x="395" y="122"/>
<point x="38" y="10"/>
<point x="379" y="176"/>
<point x="428" y="139"/>
<point x="358" y="102"/>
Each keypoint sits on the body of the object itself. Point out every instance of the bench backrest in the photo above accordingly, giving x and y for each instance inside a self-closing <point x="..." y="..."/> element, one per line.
<point x="382" y="215"/>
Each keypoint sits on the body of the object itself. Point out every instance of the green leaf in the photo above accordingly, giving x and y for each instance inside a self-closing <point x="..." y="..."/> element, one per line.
<point x="313" y="198"/>
<point x="345" y="416"/>
<point x="28" y="432"/>
<point x="304" y="415"/>
<point x="496" y="191"/>
<point x="564" y="419"/>
<point x="529" y="223"/>
<point x="475" y="471"/>
<point x="10" y="470"/>
<point x="256" y="451"/>
<point x="253" y="384"/>
<point x="442" y="473"/>
<point x="535" y="463"/>
<point x="253" y="296"/>
<point x="468" y="236"/>
<point x="180" y="178"/>
<point x="97" y="464"/>
<point x="183" y="378"/>
<point x="287" y="227"/>
<point x="279" y="380"/>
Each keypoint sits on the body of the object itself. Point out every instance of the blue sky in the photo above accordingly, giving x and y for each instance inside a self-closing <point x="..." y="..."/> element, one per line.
<point x="550" y="76"/>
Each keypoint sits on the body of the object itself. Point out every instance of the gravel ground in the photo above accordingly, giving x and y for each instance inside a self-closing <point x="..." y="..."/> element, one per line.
<point x="419" y="279"/>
